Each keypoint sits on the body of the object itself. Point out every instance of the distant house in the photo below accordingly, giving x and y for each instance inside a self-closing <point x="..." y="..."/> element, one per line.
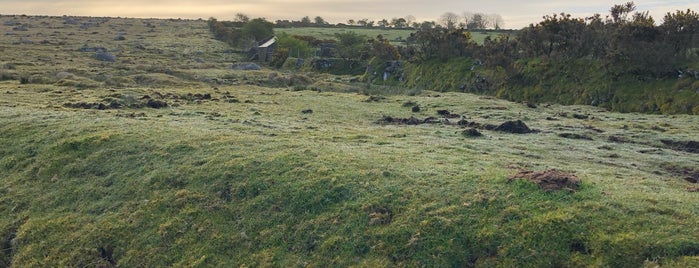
<point x="263" y="50"/>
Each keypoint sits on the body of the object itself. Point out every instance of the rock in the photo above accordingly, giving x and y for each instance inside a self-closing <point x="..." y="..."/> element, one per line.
<point x="105" y="56"/>
<point x="249" y="66"/>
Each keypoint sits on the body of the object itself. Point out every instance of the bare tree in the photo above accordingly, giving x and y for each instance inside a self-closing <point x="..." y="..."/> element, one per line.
<point x="241" y="17"/>
<point x="449" y="20"/>
<point x="409" y="20"/>
<point x="497" y="22"/>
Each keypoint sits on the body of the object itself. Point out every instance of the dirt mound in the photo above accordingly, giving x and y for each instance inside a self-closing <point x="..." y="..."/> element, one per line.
<point x="388" y="120"/>
<point x="685" y="146"/>
<point x="575" y="136"/>
<point x="550" y="180"/>
<point x="516" y="127"/>
<point x="689" y="174"/>
<point x="471" y="132"/>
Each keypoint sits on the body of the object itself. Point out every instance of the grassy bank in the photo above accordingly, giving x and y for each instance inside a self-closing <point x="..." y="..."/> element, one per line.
<point x="258" y="182"/>
<point x="577" y="82"/>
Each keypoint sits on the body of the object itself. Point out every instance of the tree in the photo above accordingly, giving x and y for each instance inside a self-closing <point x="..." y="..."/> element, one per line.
<point x="241" y="18"/>
<point x="681" y="29"/>
<point x="620" y="13"/>
<point x="350" y="22"/>
<point x="306" y="21"/>
<point x="363" y="22"/>
<point x="496" y="21"/>
<point x="259" y="29"/>
<point x="319" y="21"/>
<point x="449" y="20"/>
<point x="383" y="23"/>
<point x="351" y="46"/>
<point x="399" y="23"/>
<point x="427" y="25"/>
<point x="442" y="43"/>
<point x="409" y="20"/>
<point x="382" y="49"/>
<point x="477" y="22"/>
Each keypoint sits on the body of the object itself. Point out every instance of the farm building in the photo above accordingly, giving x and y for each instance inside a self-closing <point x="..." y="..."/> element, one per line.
<point x="263" y="50"/>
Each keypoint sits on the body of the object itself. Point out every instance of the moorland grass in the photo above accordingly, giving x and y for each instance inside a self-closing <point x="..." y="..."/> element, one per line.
<point x="259" y="176"/>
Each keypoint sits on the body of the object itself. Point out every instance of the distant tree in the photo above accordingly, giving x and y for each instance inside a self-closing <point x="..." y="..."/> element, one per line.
<point x="306" y="21"/>
<point x="241" y="17"/>
<point x="449" y="20"/>
<point x="477" y="21"/>
<point x="350" y="22"/>
<point x="399" y="23"/>
<point x="363" y="22"/>
<point x="409" y="20"/>
<point x="427" y="25"/>
<point x="383" y="23"/>
<point x="496" y="21"/>
<point x="259" y="29"/>
<point x="370" y="24"/>
<point x="319" y="21"/>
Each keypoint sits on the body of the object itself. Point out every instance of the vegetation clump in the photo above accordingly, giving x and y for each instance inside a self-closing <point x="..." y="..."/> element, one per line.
<point x="550" y="180"/>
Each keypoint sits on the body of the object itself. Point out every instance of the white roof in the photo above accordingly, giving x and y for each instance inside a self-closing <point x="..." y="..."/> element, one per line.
<point x="269" y="42"/>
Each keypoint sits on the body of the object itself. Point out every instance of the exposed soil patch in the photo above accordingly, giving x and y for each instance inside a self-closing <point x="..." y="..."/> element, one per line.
<point x="581" y="116"/>
<point x="86" y="105"/>
<point x="375" y="99"/>
<point x="388" y="120"/>
<point x="618" y="139"/>
<point x="471" y="132"/>
<point x="448" y="114"/>
<point x="685" y="146"/>
<point x="574" y="136"/>
<point x="689" y="174"/>
<point x="516" y="127"/>
<point x="156" y="104"/>
<point x="550" y="180"/>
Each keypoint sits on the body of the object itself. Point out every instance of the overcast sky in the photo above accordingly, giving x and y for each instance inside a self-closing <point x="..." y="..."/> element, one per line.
<point x="515" y="13"/>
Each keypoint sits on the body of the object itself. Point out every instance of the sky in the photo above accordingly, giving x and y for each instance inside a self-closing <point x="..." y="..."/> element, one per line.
<point x="515" y="13"/>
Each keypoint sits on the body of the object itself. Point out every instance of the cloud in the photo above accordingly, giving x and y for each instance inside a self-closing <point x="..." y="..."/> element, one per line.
<point x="516" y="13"/>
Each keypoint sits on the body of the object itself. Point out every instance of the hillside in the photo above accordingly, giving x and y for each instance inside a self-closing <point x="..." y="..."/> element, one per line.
<point x="168" y="157"/>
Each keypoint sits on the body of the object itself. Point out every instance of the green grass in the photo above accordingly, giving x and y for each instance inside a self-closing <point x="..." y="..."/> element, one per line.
<point x="256" y="182"/>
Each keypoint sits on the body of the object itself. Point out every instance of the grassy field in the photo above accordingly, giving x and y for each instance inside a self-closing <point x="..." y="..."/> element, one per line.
<point x="397" y="36"/>
<point x="167" y="157"/>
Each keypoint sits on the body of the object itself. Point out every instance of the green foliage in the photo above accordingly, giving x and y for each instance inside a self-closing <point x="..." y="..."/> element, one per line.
<point x="382" y="49"/>
<point x="442" y="43"/>
<point x="259" y="29"/>
<point x="254" y="30"/>
<point x="296" y="47"/>
<point x="350" y="45"/>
